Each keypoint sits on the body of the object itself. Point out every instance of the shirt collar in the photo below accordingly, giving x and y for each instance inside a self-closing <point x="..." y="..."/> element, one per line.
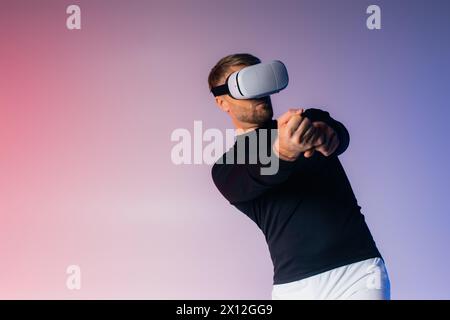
<point x="270" y="124"/>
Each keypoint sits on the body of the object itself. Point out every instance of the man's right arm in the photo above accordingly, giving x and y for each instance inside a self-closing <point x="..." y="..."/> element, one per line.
<point x="244" y="182"/>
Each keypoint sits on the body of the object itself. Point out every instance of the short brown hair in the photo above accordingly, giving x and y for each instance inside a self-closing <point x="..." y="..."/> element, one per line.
<point x="220" y="69"/>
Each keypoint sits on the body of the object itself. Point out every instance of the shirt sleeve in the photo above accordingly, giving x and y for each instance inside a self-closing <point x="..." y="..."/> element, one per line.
<point x="239" y="183"/>
<point x="319" y="115"/>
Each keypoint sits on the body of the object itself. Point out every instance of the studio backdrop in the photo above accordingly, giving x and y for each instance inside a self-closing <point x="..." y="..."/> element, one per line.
<point x="91" y="93"/>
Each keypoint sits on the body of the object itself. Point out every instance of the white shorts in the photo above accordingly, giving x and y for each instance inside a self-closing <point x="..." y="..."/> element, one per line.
<point x="364" y="280"/>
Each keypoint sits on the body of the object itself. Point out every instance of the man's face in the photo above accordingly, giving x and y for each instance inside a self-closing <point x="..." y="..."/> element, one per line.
<point x="247" y="111"/>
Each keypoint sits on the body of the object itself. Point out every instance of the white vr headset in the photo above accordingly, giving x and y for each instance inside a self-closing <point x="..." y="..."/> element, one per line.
<point x="255" y="81"/>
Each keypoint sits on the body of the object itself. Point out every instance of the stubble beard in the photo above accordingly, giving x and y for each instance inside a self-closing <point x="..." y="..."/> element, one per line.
<point x="259" y="114"/>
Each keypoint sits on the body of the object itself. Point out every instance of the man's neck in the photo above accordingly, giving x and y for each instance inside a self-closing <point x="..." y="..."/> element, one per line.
<point x="240" y="129"/>
<point x="243" y="127"/>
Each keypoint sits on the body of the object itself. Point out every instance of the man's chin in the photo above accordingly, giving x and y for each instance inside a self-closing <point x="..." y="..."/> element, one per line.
<point x="260" y="114"/>
<point x="263" y="117"/>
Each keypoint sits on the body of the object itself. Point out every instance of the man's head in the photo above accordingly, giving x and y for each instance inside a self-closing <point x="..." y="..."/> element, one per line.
<point x="246" y="113"/>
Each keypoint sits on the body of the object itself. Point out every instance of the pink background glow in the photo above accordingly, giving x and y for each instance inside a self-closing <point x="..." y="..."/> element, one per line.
<point x="86" y="118"/>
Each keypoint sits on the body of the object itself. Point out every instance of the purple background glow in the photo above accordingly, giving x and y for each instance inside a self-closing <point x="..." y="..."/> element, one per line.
<point x="86" y="118"/>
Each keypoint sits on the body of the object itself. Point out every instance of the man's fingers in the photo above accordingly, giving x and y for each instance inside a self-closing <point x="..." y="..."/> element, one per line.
<point x="334" y="143"/>
<point x="321" y="139"/>
<point x="304" y="128"/>
<point x="294" y="123"/>
<point x="311" y="136"/>
<point x="284" y="118"/>
<point x="328" y="148"/>
<point x="309" y="153"/>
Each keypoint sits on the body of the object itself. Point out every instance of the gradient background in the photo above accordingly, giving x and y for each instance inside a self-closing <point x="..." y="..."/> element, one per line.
<point x="86" y="116"/>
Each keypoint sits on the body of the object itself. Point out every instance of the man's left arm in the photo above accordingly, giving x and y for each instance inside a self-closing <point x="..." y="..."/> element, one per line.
<point x="333" y="130"/>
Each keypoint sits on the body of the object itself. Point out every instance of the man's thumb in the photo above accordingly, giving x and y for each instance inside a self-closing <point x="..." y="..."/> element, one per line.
<point x="309" y="153"/>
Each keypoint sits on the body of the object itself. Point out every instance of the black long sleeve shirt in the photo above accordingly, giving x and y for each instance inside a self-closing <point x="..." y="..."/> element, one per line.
<point x="307" y="210"/>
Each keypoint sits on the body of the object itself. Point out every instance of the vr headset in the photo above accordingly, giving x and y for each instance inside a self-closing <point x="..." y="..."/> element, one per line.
<point x="255" y="81"/>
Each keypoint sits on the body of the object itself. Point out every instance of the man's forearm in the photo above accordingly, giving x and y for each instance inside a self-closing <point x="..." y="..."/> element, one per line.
<point x="317" y="115"/>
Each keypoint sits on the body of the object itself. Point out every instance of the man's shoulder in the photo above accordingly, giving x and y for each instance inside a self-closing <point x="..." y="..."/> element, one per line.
<point x="229" y="157"/>
<point x="222" y="160"/>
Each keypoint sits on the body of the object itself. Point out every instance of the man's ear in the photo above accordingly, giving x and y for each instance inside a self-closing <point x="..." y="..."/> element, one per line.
<point x="222" y="103"/>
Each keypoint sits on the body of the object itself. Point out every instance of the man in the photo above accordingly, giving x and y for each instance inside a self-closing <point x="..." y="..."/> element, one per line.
<point x="320" y="245"/>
